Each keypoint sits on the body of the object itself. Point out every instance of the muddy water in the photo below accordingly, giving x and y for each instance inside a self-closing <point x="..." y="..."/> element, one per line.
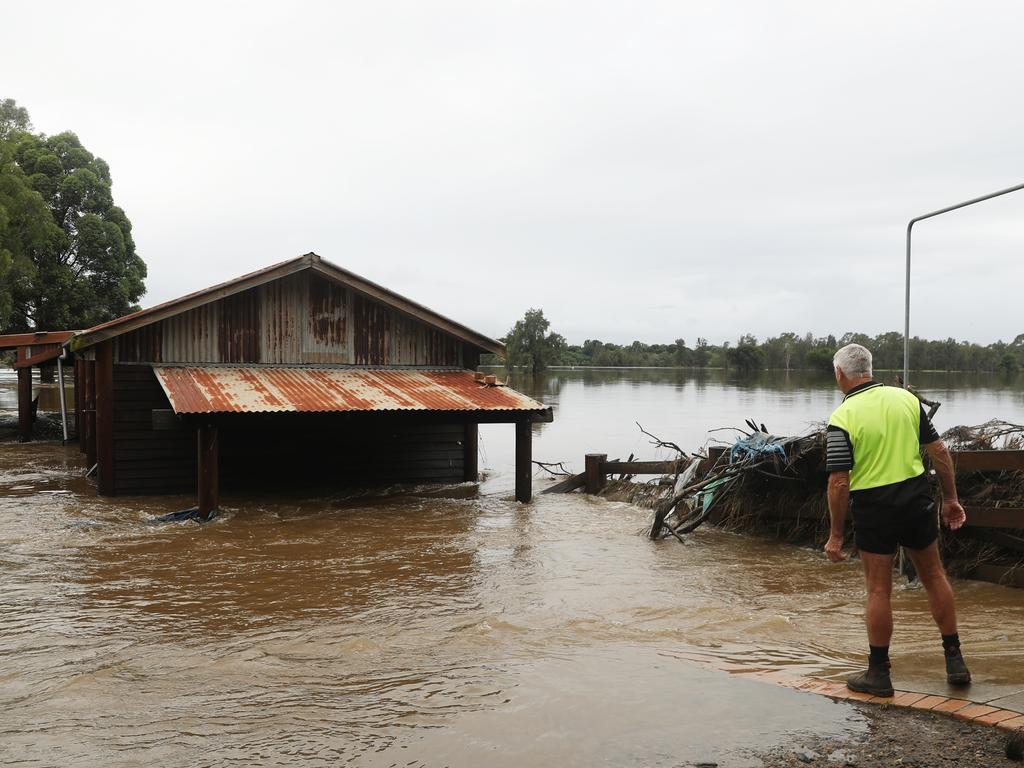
<point x="423" y="630"/>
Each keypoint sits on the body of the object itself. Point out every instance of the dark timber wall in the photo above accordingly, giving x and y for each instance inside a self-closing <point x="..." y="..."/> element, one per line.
<point x="289" y="450"/>
<point x="334" y="450"/>
<point x="148" y="461"/>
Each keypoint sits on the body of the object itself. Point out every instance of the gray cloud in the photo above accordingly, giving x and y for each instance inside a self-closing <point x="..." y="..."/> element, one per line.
<point x="639" y="170"/>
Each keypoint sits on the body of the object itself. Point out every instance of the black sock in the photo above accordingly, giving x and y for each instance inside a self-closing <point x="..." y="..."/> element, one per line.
<point x="879" y="655"/>
<point x="951" y="643"/>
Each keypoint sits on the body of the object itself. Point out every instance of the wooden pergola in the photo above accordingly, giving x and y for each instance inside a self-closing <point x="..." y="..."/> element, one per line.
<point x="33" y="349"/>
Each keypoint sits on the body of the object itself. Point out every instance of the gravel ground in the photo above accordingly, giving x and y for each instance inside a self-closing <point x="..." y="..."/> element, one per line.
<point x="901" y="737"/>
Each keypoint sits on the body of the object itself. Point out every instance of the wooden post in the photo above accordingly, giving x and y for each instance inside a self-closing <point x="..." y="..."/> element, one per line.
<point x="524" y="461"/>
<point x="592" y="469"/>
<point x="104" y="385"/>
<point x="89" y="412"/>
<point x="208" y="472"/>
<point x="470" y="440"/>
<point x="25" y="403"/>
<point x="79" y="399"/>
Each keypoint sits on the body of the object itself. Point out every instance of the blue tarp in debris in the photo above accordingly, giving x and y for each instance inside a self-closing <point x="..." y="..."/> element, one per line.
<point x="757" y="445"/>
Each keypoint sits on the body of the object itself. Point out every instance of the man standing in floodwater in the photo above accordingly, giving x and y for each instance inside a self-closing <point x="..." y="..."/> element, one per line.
<point x="875" y="469"/>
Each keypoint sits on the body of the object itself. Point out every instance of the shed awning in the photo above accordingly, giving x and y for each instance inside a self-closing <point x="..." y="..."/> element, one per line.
<point x="258" y="389"/>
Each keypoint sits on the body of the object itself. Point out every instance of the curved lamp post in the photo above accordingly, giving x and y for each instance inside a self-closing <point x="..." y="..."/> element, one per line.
<point x="910" y="227"/>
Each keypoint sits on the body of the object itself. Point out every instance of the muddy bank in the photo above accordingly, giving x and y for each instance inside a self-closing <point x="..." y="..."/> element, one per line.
<point x="899" y="737"/>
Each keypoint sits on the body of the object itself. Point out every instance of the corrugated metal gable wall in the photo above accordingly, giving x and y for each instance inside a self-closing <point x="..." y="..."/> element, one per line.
<point x="300" y="319"/>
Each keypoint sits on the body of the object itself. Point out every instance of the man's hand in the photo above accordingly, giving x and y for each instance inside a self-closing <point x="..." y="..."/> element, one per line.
<point x="953" y="514"/>
<point x="834" y="549"/>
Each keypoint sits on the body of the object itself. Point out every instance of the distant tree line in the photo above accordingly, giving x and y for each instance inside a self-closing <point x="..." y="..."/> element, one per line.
<point x="530" y="344"/>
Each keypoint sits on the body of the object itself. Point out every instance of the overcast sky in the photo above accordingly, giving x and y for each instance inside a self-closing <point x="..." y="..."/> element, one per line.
<point x="638" y="170"/>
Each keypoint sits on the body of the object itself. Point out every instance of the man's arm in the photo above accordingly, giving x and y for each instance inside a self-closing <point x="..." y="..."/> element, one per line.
<point x="952" y="512"/>
<point x="838" y="506"/>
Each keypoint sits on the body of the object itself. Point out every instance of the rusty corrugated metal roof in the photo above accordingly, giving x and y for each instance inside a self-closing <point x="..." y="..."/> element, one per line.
<point x="254" y="389"/>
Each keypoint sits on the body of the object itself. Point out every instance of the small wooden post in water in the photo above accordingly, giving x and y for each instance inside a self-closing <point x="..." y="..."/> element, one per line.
<point x="592" y="469"/>
<point x="524" y="461"/>
<point x="25" y="403"/>
<point x="208" y="472"/>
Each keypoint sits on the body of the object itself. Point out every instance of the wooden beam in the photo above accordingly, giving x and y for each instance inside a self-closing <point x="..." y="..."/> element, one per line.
<point x="596" y="479"/>
<point x="105" y="417"/>
<point x="988" y="461"/>
<point x="524" y="461"/>
<point x="40" y="353"/>
<point x="393" y="417"/>
<point x="568" y="485"/>
<point x="208" y="470"/>
<point x="995" y="517"/>
<point x="1001" y="538"/>
<point x="89" y="412"/>
<point x="639" y="467"/>
<point x="78" y="394"/>
<point x="470" y="452"/>
<point x="999" y="574"/>
<point x="25" y="404"/>
<point x="12" y="340"/>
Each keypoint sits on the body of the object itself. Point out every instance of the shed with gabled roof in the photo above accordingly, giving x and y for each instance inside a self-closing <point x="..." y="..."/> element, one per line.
<point x="301" y="368"/>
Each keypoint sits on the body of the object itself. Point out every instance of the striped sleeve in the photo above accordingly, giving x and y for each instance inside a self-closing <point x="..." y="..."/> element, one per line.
<point x="928" y="433"/>
<point x="838" y="451"/>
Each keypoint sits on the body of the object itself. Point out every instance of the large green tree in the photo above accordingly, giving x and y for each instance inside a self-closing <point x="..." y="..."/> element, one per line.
<point x="68" y="250"/>
<point x="530" y="345"/>
<point x="27" y="228"/>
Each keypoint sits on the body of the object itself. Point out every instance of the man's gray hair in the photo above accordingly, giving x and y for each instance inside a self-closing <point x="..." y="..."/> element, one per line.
<point x="854" y="360"/>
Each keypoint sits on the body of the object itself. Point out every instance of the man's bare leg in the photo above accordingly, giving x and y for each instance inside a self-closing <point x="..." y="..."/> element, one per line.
<point x="940" y="599"/>
<point x="878" y="577"/>
<point x="878" y="617"/>
<point x="933" y="578"/>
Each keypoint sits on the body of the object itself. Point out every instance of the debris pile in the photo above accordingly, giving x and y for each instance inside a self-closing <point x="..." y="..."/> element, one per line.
<point x="775" y="485"/>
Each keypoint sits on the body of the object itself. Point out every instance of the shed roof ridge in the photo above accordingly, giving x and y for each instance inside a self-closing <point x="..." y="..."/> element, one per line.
<point x="308" y="261"/>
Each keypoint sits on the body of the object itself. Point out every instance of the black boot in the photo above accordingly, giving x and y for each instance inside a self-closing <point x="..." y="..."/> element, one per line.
<point x="874" y="680"/>
<point x="957" y="672"/>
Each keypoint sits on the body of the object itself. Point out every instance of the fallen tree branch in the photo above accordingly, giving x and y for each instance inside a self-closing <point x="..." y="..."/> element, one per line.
<point x="558" y="471"/>
<point x="659" y="443"/>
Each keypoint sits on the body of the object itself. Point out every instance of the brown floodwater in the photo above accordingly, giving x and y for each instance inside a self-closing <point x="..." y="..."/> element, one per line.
<point x="425" y="628"/>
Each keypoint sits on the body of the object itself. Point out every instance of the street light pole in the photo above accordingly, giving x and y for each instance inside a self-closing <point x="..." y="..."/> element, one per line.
<point x="910" y="228"/>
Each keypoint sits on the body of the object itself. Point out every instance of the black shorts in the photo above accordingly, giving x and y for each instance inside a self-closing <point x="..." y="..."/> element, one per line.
<point x="881" y="530"/>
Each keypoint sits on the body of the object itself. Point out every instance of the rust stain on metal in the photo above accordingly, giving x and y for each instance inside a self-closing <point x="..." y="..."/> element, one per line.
<point x="327" y="312"/>
<point x="239" y="327"/>
<point x="143" y="345"/>
<point x="215" y="389"/>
